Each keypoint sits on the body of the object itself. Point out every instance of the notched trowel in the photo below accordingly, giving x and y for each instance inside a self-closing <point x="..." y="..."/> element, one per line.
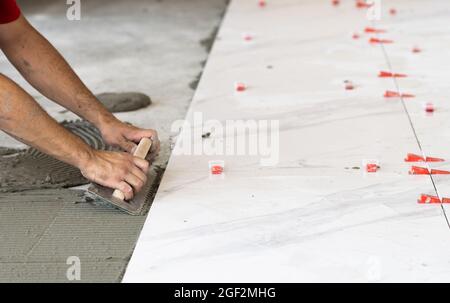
<point x="116" y="197"/>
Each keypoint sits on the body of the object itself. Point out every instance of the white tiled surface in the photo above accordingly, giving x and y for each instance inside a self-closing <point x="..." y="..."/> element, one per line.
<point x="311" y="217"/>
<point x="427" y="28"/>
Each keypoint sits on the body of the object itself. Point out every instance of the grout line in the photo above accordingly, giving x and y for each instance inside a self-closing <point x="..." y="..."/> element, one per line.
<point x="405" y="108"/>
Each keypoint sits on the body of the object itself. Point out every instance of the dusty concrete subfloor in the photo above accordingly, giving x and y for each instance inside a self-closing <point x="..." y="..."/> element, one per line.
<point x="155" y="47"/>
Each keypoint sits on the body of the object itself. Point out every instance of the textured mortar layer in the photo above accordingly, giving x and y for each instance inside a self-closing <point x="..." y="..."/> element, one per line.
<point x="31" y="169"/>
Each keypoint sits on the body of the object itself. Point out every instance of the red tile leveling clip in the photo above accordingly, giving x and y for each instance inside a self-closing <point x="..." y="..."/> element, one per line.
<point x="384" y="74"/>
<point x="416" y="158"/>
<point x="428" y="199"/>
<point x="374" y="30"/>
<point x="440" y="172"/>
<point x="392" y="94"/>
<point x="349" y="85"/>
<point x="371" y="166"/>
<point x="362" y="4"/>
<point x="376" y="40"/>
<point x="431" y="159"/>
<point x="407" y="96"/>
<point x="416" y="170"/>
<point x="216" y="167"/>
<point x="216" y="170"/>
<point x="240" y="87"/>
<point x="429" y="107"/>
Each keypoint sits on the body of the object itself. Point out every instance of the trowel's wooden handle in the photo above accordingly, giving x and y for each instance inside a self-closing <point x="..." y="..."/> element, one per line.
<point x="141" y="152"/>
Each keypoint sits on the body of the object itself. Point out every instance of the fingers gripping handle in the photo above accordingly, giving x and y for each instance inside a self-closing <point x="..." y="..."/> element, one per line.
<point x="143" y="148"/>
<point x="141" y="152"/>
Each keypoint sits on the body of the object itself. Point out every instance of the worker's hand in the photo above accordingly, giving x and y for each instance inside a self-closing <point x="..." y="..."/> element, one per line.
<point x="117" y="170"/>
<point x="127" y="137"/>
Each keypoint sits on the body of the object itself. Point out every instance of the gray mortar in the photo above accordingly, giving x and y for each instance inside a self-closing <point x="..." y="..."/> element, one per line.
<point x="124" y="102"/>
<point x="46" y="227"/>
<point x="6" y="151"/>
<point x="31" y="169"/>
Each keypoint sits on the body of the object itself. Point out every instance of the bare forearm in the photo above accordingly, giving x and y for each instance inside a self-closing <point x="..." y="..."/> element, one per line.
<point x="44" y="68"/>
<point x="22" y="117"/>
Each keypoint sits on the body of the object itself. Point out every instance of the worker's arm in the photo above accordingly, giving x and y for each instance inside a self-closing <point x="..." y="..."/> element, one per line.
<point x="47" y="71"/>
<point x="23" y="118"/>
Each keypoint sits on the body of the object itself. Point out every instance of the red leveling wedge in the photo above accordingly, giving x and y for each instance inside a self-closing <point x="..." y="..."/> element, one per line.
<point x="374" y="30"/>
<point x="430" y="199"/>
<point x="362" y="4"/>
<point x="391" y="94"/>
<point x="376" y="40"/>
<point x="416" y="158"/>
<point x="384" y="74"/>
<point x="440" y="172"/>
<point x="416" y="170"/>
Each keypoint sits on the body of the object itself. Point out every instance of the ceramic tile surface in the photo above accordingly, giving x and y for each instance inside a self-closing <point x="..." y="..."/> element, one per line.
<point x="312" y="214"/>
<point x="427" y="79"/>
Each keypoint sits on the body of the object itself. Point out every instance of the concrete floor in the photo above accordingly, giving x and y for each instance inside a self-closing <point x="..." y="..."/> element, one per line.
<point x="155" y="47"/>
